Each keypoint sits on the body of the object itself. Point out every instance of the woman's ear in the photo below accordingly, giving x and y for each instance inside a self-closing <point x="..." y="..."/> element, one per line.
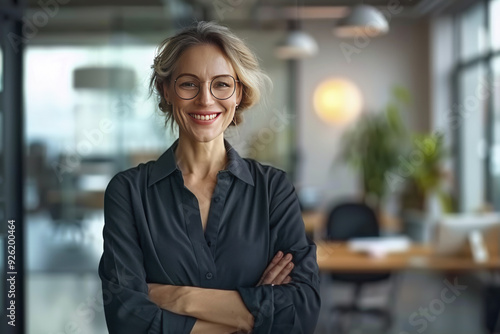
<point x="239" y="94"/>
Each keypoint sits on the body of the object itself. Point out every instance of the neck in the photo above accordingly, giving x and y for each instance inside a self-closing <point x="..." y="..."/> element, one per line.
<point x="200" y="159"/>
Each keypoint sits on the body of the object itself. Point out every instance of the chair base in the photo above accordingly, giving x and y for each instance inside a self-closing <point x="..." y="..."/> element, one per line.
<point x="350" y="311"/>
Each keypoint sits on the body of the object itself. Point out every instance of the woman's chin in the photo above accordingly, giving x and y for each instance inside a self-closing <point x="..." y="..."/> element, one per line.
<point x="205" y="136"/>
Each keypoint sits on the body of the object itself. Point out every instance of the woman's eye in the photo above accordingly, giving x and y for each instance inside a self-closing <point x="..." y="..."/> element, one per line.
<point x="188" y="85"/>
<point x="221" y="84"/>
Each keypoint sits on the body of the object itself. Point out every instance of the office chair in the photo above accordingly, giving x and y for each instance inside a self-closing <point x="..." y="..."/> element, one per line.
<point x="347" y="221"/>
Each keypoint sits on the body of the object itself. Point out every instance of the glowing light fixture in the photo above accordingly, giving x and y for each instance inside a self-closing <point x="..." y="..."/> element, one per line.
<point x="337" y="101"/>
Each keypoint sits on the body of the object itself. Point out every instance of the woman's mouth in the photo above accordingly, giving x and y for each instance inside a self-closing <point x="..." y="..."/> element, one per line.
<point x="208" y="117"/>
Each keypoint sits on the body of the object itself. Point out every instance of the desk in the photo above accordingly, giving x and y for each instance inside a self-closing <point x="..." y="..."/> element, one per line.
<point x="336" y="256"/>
<point x="314" y="222"/>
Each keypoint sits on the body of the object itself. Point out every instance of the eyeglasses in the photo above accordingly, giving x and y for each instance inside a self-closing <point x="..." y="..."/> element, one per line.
<point x="222" y="87"/>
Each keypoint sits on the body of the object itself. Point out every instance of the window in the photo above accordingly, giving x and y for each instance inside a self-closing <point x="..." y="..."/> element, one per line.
<point x="495" y="24"/>
<point x="477" y="101"/>
<point x="495" y="124"/>
<point x="472" y="124"/>
<point x="473" y="41"/>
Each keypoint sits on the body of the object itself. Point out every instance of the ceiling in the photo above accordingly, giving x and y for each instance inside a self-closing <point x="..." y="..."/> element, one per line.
<point x="87" y="16"/>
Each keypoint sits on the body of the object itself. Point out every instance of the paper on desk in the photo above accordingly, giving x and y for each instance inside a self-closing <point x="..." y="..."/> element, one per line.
<point x="379" y="246"/>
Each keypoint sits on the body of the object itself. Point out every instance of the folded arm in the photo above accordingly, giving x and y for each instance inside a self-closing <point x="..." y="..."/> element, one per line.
<point x="206" y="327"/>
<point x="293" y="307"/>
<point x="127" y="307"/>
<point x="286" y="308"/>
<point x="218" y="307"/>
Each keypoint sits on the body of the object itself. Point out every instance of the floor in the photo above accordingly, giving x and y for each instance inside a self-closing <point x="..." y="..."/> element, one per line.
<point x="64" y="289"/>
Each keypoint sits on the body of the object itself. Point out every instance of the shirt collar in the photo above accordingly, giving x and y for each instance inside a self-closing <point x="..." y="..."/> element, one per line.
<point x="166" y="165"/>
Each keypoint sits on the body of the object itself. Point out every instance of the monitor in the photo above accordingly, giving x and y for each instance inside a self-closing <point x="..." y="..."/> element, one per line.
<point x="454" y="232"/>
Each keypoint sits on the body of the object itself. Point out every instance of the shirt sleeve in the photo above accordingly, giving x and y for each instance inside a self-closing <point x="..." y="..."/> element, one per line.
<point x="293" y="307"/>
<point x="125" y="292"/>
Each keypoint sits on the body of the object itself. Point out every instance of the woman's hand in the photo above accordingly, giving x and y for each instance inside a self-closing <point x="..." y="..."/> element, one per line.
<point x="278" y="270"/>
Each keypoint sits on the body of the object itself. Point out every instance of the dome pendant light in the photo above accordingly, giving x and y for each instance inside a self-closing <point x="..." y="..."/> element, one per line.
<point x="363" y="20"/>
<point x="296" y="45"/>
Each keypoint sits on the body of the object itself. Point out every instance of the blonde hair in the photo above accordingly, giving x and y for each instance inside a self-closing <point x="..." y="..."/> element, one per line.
<point x="243" y="60"/>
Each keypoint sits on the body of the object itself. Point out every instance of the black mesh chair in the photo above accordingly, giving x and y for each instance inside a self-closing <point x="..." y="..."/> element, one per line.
<point x="347" y="221"/>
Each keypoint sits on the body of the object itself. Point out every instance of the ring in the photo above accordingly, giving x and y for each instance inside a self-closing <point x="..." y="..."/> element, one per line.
<point x="272" y="284"/>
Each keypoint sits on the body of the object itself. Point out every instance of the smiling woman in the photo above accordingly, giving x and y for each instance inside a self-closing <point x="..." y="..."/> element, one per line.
<point x="202" y="240"/>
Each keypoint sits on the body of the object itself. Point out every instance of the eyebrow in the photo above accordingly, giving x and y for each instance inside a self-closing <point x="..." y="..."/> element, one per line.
<point x="193" y="75"/>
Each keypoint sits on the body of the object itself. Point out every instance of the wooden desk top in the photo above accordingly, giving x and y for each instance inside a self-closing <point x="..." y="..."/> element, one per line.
<point x="313" y="221"/>
<point x="333" y="256"/>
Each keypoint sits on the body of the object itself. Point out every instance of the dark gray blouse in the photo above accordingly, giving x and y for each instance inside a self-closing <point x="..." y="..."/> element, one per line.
<point x="153" y="234"/>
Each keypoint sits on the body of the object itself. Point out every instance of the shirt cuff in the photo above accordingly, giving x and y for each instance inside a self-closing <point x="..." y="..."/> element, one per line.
<point x="260" y="302"/>
<point x="176" y="323"/>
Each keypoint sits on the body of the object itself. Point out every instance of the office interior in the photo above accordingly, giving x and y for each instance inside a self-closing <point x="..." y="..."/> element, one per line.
<point x="402" y="117"/>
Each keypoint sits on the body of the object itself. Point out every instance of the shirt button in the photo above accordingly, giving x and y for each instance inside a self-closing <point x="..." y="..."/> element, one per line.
<point x="217" y="199"/>
<point x="208" y="275"/>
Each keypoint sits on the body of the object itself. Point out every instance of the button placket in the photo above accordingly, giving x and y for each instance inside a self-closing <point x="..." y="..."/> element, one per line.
<point x="216" y="208"/>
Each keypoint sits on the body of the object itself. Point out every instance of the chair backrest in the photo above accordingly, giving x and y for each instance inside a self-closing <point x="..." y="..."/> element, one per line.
<point x="352" y="220"/>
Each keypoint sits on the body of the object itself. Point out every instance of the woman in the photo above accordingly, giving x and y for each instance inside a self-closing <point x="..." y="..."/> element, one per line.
<point x="201" y="240"/>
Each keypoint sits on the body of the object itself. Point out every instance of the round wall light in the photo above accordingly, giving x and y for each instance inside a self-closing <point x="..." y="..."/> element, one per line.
<point x="337" y="101"/>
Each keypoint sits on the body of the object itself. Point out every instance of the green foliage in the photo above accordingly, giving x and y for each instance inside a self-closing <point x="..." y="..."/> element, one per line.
<point x="377" y="145"/>
<point x="376" y="141"/>
<point x="427" y="172"/>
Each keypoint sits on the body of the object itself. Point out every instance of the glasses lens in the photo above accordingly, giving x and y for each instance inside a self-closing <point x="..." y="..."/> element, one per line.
<point x="187" y="87"/>
<point x="223" y="87"/>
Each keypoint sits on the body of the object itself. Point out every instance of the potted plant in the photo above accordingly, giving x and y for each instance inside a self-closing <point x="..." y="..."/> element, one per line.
<point x="424" y="198"/>
<point x="372" y="146"/>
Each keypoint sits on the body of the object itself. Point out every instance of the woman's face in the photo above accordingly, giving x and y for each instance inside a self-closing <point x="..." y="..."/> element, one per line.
<point x="203" y="118"/>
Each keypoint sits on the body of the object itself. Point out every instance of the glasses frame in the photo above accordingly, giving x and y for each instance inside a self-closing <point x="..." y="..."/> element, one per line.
<point x="202" y="82"/>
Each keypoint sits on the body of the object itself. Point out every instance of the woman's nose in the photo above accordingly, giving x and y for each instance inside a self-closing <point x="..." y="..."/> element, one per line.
<point x="205" y="96"/>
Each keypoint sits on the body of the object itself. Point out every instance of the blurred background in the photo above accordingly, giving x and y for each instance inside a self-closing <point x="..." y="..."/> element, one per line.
<point x="383" y="112"/>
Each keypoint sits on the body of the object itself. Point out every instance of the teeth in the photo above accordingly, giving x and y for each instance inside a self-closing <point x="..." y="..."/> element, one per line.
<point x="202" y="117"/>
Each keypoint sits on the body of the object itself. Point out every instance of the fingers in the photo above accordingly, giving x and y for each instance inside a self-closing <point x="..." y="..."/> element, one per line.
<point x="277" y="271"/>
<point x="276" y="259"/>
<point x="283" y="274"/>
